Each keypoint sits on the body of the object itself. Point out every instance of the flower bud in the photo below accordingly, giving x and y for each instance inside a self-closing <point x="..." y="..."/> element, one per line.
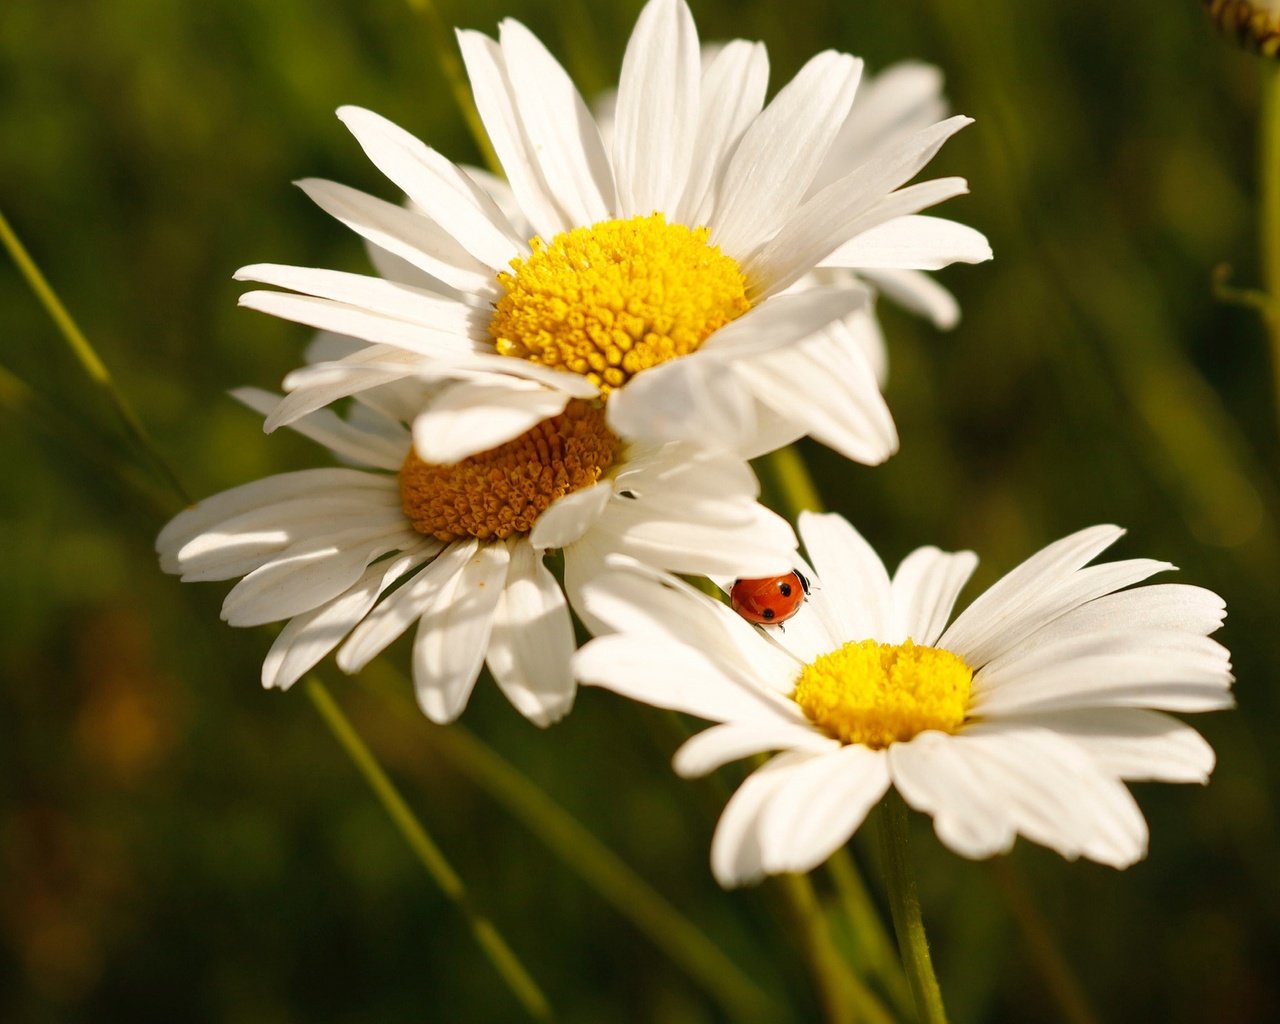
<point x="1253" y="24"/>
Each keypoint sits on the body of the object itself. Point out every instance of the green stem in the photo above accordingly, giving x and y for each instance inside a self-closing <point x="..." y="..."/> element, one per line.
<point x="788" y="483"/>
<point x="86" y="356"/>
<point x="905" y="904"/>
<point x="455" y="75"/>
<point x="790" y="488"/>
<point x="1063" y="985"/>
<point x="845" y="998"/>
<point x="87" y="449"/>
<point x="522" y="986"/>
<point x="874" y="942"/>
<point x="1269" y="209"/>
<point x="602" y="869"/>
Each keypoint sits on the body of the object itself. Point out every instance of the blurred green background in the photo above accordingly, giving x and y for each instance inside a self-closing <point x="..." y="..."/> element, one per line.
<point x="176" y="844"/>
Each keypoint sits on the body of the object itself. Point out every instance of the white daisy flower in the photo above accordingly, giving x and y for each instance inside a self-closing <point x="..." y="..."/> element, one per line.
<point x="888" y="109"/>
<point x="1025" y="716"/>
<point x="646" y="273"/>
<point x="359" y="554"/>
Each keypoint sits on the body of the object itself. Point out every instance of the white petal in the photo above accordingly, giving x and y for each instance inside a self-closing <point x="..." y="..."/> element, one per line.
<point x="674" y="677"/>
<point x="664" y="611"/>
<point x="1176" y="607"/>
<point x="1132" y="743"/>
<point x="1170" y="671"/>
<point x="340" y="437"/>
<point x="774" y="164"/>
<point x="736" y="851"/>
<point x="499" y="190"/>
<point x="453" y="633"/>
<point x="1051" y="792"/>
<point x="446" y="322"/>
<point x="917" y="293"/>
<point x="584" y="565"/>
<point x="438" y="187"/>
<point x="206" y="520"/>
<point x="404" y="233"/>
<point x="394" y="615"/>
<point x="826" y="388"/>
<point x="532" y="641"/>
<point x="697" y="398"/>
<point x="307" y="638"/>
<point x="479" y="364"/>
<point x="933" y="776"/>
<point x="1006" y="600"/>
<point x="783" y="320"/>
<point x="827" y="221"/>
<point x="861" y="329"/>
<point x="685" y="471"/>
<point x="819" y="807"/>
<point x="657" y="110"/>
<point x="733" y="90"/>
<point x="853" y="579"/>
<point x="495" y="100"/>
<point x="889" y="108"/>
<point x="688" y="399"/>
<point x="282" y="487"/>
<point x="561" y="131"/>
<point x="1016" y="635"/>
<point x="313" y="387"/>
<point x="727" y="538"/>
<point x="568" y="518"/>
<point x="309" y="573"/>
<point x="472" y="416"/>
<point x="925" y="589"/>
<point x="913" y="242"/>
<point x="342" y="318"/>
<point x="719" y="745"/>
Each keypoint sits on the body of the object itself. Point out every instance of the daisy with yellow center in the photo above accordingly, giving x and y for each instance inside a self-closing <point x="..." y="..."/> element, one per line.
<point x="355" y="556"/>
<point x="653" y="273"/>
<point x="1025" y="716"/>
<point x="889" y="261"/>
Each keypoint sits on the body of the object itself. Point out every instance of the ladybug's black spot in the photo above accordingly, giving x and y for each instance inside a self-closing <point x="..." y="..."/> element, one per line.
<point x="784" y="589"/>
<point x="767" y="613"/>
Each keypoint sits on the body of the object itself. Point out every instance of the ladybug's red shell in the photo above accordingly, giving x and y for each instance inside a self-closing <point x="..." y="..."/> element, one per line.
<point x="769" y="601"/>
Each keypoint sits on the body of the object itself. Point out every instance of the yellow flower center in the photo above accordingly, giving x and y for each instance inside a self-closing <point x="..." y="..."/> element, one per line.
<point x="614" y="299"/>
<point x="876" y="694"/>
<point x="503" y="491"/>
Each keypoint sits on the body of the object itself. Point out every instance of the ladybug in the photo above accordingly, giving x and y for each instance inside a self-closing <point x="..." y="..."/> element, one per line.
<point x="769" y="601"/>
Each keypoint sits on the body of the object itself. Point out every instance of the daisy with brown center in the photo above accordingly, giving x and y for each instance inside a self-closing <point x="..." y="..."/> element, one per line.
<point x="1024" y="716"/>
<point x="355" y="556"/>
<point x="643" y="274"/>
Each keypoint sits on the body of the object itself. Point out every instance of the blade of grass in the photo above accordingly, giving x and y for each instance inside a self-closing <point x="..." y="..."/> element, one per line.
<point x="487" y="937"/>
<point x="845" y="998"/>
<point x="87" y="357"/>
<point x="597" y="865"/>
<point x="873" y="942"/>
<point x="85" y="448"/>
<point x="1068" y="994"/>
<point x="456" y="76"/>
